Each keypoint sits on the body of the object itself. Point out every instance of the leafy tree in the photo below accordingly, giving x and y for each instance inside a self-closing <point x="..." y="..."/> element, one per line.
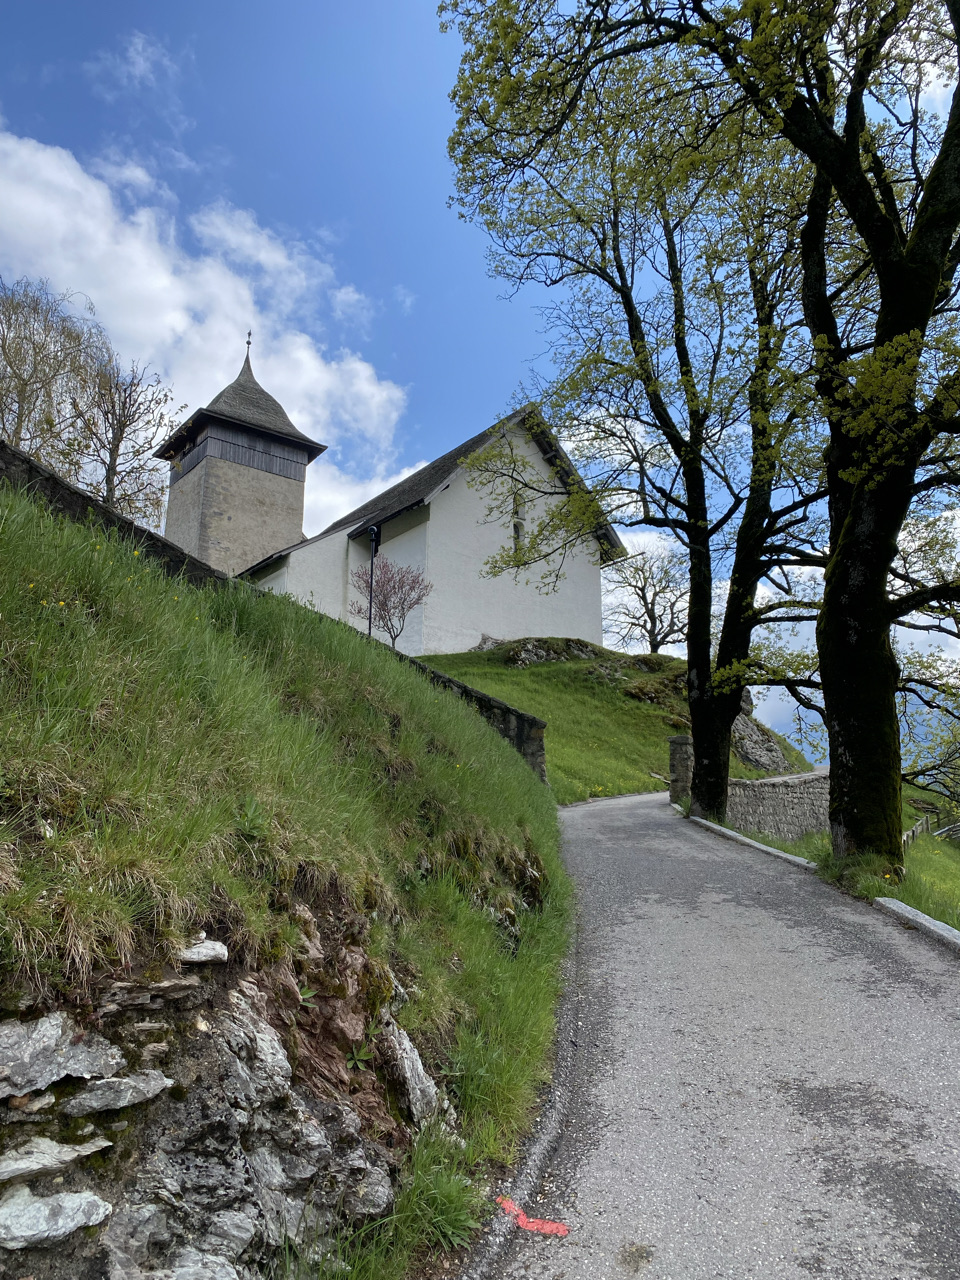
<point x="397" y="590"/>
<point x="45" y="350"/>
<point x="66" y="398"/>
<point x="645" y="598"/>
<point x="122" y="414"/>
<point x="672" y="392"/>
<point x="843" y="85"/>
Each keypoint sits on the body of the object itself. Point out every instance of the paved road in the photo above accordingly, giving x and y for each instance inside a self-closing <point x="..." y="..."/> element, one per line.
<point x="767" y="1073"/>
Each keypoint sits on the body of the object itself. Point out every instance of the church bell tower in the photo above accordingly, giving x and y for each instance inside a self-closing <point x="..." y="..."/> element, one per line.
<point x="237" y="472"/>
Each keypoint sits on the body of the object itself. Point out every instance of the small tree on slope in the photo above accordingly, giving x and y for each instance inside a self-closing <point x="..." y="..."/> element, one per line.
<point x="397" y="590"/>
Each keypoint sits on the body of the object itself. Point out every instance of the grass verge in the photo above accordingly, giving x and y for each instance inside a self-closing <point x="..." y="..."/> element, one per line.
<point x="931" y="883"/>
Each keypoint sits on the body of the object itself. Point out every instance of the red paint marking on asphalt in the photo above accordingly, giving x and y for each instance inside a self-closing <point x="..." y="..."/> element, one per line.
<point x="531" y="1224"/>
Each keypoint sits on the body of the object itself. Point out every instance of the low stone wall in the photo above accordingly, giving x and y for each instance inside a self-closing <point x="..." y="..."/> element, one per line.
<point x="522" y="731"/>
<point x="23" y="472"/>
<point x="786" y="807"/>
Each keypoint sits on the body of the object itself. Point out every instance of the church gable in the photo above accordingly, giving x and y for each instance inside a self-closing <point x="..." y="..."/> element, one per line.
<point x="435" y="521"/>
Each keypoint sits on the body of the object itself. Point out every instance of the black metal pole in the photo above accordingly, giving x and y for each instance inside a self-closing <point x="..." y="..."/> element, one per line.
<point x="373" y="552"/>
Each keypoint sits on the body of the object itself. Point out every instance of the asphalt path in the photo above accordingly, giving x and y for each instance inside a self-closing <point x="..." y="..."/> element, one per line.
<point x="765" y="1073"/>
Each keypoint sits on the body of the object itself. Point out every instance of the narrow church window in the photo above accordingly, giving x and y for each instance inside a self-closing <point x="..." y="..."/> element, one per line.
<point x="519" y="517"/>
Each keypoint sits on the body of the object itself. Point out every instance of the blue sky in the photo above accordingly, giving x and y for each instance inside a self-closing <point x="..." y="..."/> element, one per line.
<point x="195" y="169"/>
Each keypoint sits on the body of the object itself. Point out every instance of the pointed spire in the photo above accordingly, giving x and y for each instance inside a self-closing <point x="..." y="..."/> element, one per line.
<point x="246" y="403"/>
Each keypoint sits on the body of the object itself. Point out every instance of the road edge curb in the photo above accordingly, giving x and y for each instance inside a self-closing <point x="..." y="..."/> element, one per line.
<point x="803" y="863"/>
<point x="942" y="933"/>
<point x="945" y="934"/>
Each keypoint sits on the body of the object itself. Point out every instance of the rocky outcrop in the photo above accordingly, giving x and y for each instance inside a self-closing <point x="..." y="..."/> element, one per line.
<point x="755" y="744"/>
<point x="241" y="1148"/>
<point x="35" y="1055"/>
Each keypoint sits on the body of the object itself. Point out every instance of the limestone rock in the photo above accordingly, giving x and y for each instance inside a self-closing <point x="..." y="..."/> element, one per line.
<point x="122" y="1091"/>
<point x="204" y="951"/>
<point x="190" y="1264"/>
<point x="35" y="1054"/>
<point x="486" y="642"/>
<point x="230" y="1232"/>
<point x="28" y="1221"/>
<point x="756" y="746"/>
<point x="43" y="1155"/>
<point x="418" y="1093"/>
<point x="371" y="1196"/>
<point x="32" y="1102"/>
<point x="532" y="650"/>
<point x="134" y="1231"/>
<point x="193" y="1265"/>
<point x="216" y="1180"/>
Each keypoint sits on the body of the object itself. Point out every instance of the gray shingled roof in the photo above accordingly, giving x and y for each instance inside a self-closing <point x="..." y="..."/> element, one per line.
<point x="417" y="488"/>
<point x="244" y="401"/>
<point x="410" y="492"/>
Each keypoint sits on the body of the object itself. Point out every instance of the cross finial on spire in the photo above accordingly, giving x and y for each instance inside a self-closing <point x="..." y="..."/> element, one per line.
<point x="249" y="339"/>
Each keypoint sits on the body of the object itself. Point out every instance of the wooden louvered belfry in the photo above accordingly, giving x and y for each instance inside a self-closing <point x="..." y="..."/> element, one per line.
<point x="237" y="472"/>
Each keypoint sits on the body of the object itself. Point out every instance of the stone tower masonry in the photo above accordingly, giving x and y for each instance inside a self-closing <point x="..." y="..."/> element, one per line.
<point x="237" y="471"/>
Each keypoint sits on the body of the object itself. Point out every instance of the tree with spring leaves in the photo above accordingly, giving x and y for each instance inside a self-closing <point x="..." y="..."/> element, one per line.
<point x="46" y="350"/>
<point x="123" y="413"/>
<point x="398" y="589"/>
<point x="672" y="392"/>
<point x="843" y="86"/>
<point x="67" y="399"/>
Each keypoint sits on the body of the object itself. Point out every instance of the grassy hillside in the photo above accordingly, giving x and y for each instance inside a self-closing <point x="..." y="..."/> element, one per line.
<point x="608" y="714"/>
<point x="178" y="759"/>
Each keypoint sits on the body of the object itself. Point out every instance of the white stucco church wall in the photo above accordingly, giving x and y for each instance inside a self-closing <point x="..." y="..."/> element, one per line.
<point x="237" y="473"/>
<point x="466" y="604"/>
<point x="450" y="538"/>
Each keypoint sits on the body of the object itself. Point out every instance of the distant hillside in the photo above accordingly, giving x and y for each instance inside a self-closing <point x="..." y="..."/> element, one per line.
<point x="608" y="714"/>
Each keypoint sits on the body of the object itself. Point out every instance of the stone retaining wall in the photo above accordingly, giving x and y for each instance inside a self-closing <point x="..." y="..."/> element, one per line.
<point x="786" y="807"/>
<point x="23" y="472"/>
<point x="522" y="731"/>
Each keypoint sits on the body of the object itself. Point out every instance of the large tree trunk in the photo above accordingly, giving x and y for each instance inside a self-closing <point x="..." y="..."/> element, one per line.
<point x="711" y="763"/>
<point x="860" y="674"/>
<point x="711" y="719"/>
<point x="711" y="713"/>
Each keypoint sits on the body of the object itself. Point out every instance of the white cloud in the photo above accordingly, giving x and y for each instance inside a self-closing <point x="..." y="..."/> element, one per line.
<point x="141" y="63"/>
<point x="186" y="313"/>
<point x="404" y="299"/>
<point x="351" y="306"/>
<point x="123" y="173"/>
<point x="333" y="494"/>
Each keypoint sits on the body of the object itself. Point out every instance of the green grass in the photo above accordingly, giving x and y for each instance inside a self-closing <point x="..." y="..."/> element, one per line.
<point x="177" y="759"/>
<point x="439" y="1207"/>
<point x="600" y="740"/>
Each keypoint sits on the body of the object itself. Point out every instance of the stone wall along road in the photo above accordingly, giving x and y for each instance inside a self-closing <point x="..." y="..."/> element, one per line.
<point x="765" y="1072"/>
<point x="786" y="807"/>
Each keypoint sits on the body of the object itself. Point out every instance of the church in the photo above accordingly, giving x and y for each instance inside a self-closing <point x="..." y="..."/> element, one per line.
<point x="237" y="475"/>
